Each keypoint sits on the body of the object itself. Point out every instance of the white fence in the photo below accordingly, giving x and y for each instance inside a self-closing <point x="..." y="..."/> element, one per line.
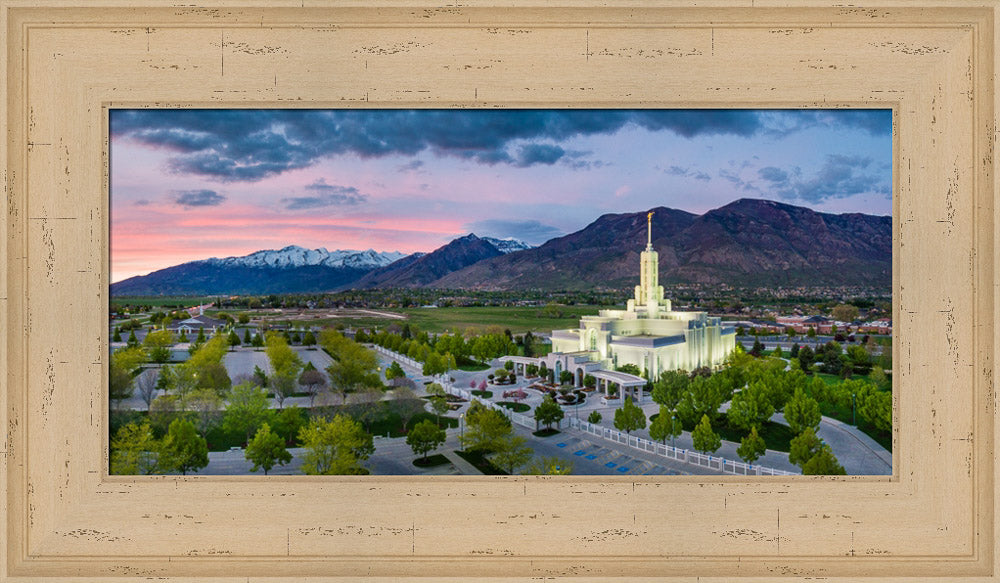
<point x="517" y="418"/>
<point x="721" y="464"/>
<point x="397" y="356"/>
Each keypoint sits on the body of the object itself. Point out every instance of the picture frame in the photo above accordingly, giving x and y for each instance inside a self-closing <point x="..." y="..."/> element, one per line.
<point x="66" y="63"/>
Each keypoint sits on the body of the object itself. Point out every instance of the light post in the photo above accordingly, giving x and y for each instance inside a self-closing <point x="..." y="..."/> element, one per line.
<point x="673" y="430"/>
<point x="854" y="420"/>
<point x="461" y="426"/>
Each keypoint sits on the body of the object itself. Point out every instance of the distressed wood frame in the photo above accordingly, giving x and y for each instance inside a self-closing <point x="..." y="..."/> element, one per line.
<point x="65" y="63"/>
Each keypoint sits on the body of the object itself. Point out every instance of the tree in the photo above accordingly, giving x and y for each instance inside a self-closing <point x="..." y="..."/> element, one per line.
<point x="794" y="353"/>
<point x="246" y="410"/>
<point x="287" y="422"/>
<point x="806" y="358"/>
<point x="243" y="318"/>
<point x="630" y="417"/>
<point x="565" y="377"/>
<point x="485" y="429"/>
<point x="312" y="381"/>
<point x="549" y="466"/>
<point x="425" y="438"/>
<point x="670" y="387"/>
<point x="132" y="340"/>
<point x="183" y="448"/>
<point x="157" y="345"/>
<point x="703" y="397"/>
<point x="406" y="404"/>
<point x="285" y="367"/>
<point x="335" y="447"/>
<point x="394" y="371"/>
<point x="802" y="412"/>
<point x="134" y="450"/>
<point x="752" y="447"/>
<point x="811" y="333"/>
<point x="549" y="412"/>
<point x="163" y="410"/>
<point x="844" y="313"/>
<point x="266" y="449"/>
<point x="439" y="400"/>
<point x="665" y="426"/>
<point x="705" y="440"/>
<point x="823" y="463"/>
<point x="876" y="408"/>
<point x="309" y="339"/>
<point x="233" y="339"/>
<point x="804" y="447"/>
<point x="594" y="417"/>
<point x="117" y="336"/>
<point x="512" y="453"/>
<point x="353" y="369"/>
<point x="751" y="407"/>
<point x="147" y="382"/>
<point x="247" y="339"/>
<point x="206" y="405"/>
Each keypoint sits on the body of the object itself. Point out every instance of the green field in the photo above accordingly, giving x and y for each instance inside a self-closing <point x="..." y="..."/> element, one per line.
<point x="516" y="319"/>
<point x="165" y="301"/>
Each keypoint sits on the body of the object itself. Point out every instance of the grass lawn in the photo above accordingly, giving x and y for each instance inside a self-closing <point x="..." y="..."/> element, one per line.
<point x="515" y="407"/>
<point x="516" y="319"/>
<point x="470" y="365"/>
<point x="161" y="302"/>
<point x="431" y="461"/>
<point x="483" y="394"/>
<point x="480" y="462"/>
<point x="776" y="435"/>
<point x="545" y="432"/>
<point x="832" y="379"/>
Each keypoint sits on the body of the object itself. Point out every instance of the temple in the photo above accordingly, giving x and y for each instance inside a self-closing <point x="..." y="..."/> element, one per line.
<point x="648" y="333"/>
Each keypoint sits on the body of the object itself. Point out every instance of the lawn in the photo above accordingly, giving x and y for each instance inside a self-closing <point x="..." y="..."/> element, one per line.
<point x="516" y="319"/>
<point x="162" y="302"/>
<point x="832" y="379"/>
<point x="483" y="394"/>
<point x="776" y="435"/>
<point x="431" y="461"/>
<point x="515" y="407"/>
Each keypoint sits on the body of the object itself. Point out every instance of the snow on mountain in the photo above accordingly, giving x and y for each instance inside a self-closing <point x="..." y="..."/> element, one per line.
<point x="295" y="256"/>
<point x="507" y="245"/>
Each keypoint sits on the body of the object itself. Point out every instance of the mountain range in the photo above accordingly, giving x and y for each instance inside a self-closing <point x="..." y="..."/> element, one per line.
<point x="748" y="242"/>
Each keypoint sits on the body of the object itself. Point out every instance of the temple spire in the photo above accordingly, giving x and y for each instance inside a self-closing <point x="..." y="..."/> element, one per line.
<point x="649" y="230"/>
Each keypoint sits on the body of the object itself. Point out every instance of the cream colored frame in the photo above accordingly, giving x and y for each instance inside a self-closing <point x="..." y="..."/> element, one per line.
<point x="66" y="63"/>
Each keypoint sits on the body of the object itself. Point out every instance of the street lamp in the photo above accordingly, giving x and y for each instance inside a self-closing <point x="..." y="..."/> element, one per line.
<point x="673" y="430"/>
<point x="854" y="420"/>
<point x="461" y="425"/>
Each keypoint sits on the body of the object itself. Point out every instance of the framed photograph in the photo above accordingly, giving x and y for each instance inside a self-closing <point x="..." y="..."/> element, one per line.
<point x="70" y="69"/>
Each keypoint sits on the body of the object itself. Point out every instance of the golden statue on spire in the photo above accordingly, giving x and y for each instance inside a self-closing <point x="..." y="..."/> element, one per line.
<point x="649" y="217"/>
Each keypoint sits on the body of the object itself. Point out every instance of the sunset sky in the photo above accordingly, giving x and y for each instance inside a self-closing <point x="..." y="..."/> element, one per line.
<point x="193" y="184"/>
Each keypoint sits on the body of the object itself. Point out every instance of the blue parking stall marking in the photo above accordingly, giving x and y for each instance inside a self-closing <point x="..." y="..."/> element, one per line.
<point x="560" y="445"/>
<point x="610" y="465"/>
<point x="591" y="457"/>
<point x="622" y="469"/>
<point x="579" y="452"/>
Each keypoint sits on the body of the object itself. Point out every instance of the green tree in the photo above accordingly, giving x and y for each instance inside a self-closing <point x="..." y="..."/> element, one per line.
<point x="233" y="339"/>
<point x="246" y="410"/>
<point x="206" y="404"/>
<point x="425" y="438"/>
<point x="565" y="377"/>
<point x="670" y="387"/>
<point x="158" y="344"/>
<point x="705" y="440"/>
<point x="844" y="313"/>
<point x="183" y="448"/>
<point x="549" y="412"/>
<point x="309" y="339"/>
<point x="163" y="410"/>
<point x="287" y="422"/>
<point x="485" y="429"/>
<point x="751" y="407"/>
<point x="117" y="336"/>
<point x="312" y="382"/>
<point x="354" y="368"/>
<point x="406" y="404"/>
<point x="665" y="426"/>
<point x="803" y="447"/>
<point x="802" y="412"/>
<point x="594" y="417"/>
<point x="439" y="400"/>
<point x="629" y="417"/>
<point x="285" y="367"/>
<point x="243" y="318"/>
<point x="247" y="339"/>
<point x="132" y="340"/>
<point x="806" y="358"/>
<point x="266" y="449"/>
<point x="134" y="450"/>
<point x="394" y="371"/>
<point x="512" y="453"/>
<point x="335" y="447"/>
<point x="752" y="447"/>
<point x="704" y="396"/>
<point x="876" y="408"/>
<point x="824" y="463"/>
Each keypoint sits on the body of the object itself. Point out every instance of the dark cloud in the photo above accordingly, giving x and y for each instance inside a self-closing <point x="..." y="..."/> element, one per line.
<point x="142" y="202"/>
<point x="687" y="173"/>
<point x="410" y="166"/>
<point x="532" y="154"/>
<point x="529" y="231"/>
<point x="250" y="145"/>
<point x="195" y="198"/>
<point x="840" y="177"/>
<point x="325" y="195"/>
<point x="738" y="180"/>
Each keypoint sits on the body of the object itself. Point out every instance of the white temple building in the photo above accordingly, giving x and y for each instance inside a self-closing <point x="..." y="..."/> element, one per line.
<point x="647" y="333"/>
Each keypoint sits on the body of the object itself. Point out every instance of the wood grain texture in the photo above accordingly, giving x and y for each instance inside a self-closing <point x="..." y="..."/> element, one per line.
<point x="67" y="63"/>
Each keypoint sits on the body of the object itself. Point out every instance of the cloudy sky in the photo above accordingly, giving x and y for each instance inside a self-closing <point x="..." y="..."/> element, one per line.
<point x="192" y="184"/>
